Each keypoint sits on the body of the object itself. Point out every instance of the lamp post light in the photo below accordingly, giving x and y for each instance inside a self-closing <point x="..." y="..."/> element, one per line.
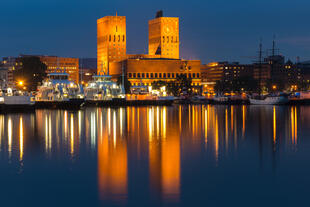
<point x="274" y="87"/>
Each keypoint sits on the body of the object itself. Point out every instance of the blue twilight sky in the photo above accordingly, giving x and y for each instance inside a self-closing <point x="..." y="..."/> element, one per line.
<point x="210" y="30"/>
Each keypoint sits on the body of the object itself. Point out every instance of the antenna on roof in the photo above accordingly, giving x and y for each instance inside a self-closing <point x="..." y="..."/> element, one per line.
<point x="273" y="45"/>
<point x="159" y="14"/>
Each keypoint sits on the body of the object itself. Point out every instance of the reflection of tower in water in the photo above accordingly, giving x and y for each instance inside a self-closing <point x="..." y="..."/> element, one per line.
<point x="112" y="158"/>
<point x="164" y="154"/>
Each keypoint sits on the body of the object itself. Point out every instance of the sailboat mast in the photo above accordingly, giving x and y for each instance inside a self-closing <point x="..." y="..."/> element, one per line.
<point x="273" y="59"/>
<point x="260" y="66"/>
<point x="273" y="46"/>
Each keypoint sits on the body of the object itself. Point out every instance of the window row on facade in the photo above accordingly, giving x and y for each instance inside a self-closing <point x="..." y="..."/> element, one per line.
<point x="117" y="38"/>
<point x="170" y="39"/>
<point x="162" y="75"/>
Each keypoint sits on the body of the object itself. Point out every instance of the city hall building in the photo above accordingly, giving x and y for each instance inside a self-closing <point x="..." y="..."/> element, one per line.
<point x="162" y="61"/>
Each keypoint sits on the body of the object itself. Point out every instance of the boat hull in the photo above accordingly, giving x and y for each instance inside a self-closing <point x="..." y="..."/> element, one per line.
<point x="71" y="104"/>
<point x="17" y="108"/>
<point x="270" y="101"/>
<point x="112" y="102"/>
<point x="124" y="102"/>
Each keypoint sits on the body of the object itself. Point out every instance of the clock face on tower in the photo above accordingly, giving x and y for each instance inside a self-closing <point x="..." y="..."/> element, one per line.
<point x="167" y="30"/>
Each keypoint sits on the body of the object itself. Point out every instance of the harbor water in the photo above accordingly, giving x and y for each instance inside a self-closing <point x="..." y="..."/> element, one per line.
<point x="181" y="155"/>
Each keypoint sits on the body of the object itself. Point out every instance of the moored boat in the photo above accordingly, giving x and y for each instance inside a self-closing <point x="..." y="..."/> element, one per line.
<point x="269" y="100"/>
<point x="102" y="91"/>
<point x="58" y="92"/>
<point x="16" y="101"/>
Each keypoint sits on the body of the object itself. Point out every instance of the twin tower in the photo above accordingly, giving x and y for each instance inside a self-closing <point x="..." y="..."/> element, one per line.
<point x="112" y="38"/>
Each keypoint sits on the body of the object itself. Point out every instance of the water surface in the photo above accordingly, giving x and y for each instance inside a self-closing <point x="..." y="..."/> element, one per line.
<point x="191" y="155"/>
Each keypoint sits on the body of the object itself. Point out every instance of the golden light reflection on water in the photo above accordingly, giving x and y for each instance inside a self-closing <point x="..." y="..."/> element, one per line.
<point x="164" y="155"/>
<point x="10" y="132"/>
<point x="163" y="137"/>
<point x="65" y="124"/>
<point x="206" y="120"/>
<point x="71" y="135"/>
<point x="21" y="139"/>
<point x="294" y="126"/>
<point x="274" y="125"/>
<point x="243" y="120"/>
<point x="226" y="129"/>
<point x="48" y="133"/>
<point x="1" y="130"/>
<point x="216" y="139"/>
<point x="112" y="161"/>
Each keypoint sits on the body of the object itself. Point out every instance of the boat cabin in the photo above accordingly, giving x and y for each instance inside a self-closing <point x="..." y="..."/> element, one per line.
<point x="58" y="76"/>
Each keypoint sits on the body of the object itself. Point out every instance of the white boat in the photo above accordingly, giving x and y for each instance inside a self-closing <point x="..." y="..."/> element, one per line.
<point x="14" y="100"/>
<point x="221" y="99"/>
<point x="269" y="100"/>
<point x="102" y="88"/>
<point x="58" y="92"/>
<point x="198" y="99"/>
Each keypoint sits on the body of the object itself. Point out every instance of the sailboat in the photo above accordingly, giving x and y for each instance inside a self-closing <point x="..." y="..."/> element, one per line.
<point x="273" y="99"/>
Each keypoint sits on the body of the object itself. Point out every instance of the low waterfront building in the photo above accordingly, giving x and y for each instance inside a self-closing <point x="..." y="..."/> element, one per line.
<point x="53" y="63"/>
<point x="276" y="74"/>
<point x="144" y="71"/>
<point x="3" y="77"/>
<point x="8" y="65"/>
<point x="303" y="69"/>
<point x="223" y="71"/>
<point x="62" y="64"/>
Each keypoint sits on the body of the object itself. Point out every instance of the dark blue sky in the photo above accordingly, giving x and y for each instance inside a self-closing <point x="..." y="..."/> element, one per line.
<point x="209" y="30"/>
